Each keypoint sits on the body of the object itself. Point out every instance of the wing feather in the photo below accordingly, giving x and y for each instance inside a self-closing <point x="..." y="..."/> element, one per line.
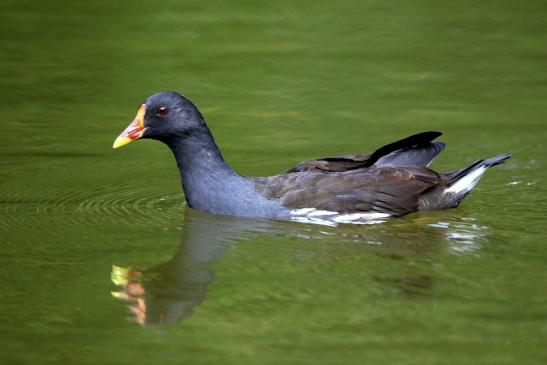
<point x="415" y="150"/>
<point x="392" y="190"/>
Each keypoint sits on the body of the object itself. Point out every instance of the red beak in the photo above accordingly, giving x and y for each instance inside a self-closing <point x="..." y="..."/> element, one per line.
<point x="133" y="131"/>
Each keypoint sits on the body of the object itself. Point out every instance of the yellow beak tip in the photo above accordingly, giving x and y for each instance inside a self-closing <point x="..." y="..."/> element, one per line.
<point x="121" y="141"/>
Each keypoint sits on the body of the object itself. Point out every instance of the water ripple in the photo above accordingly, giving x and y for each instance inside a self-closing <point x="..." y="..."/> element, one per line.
<point x="93" y="205"/>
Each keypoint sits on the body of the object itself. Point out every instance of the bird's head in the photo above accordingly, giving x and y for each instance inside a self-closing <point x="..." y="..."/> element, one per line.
<point x="162" y="116"/>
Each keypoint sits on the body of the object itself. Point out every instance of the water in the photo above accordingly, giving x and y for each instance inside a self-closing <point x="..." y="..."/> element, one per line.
<point x="87" y="231"/>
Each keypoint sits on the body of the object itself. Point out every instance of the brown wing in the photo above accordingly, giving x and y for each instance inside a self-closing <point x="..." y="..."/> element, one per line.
<point x="391" y="190"/>
<point x="414" y="150"/>
<point x="333" y="164"/>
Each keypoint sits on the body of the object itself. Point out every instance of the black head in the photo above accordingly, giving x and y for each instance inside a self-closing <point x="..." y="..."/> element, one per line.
<point x="169" y="113"/>
<point x="163" y="116"/>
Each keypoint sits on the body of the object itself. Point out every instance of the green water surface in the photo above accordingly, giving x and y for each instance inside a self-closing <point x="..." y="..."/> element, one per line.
<point x="278" y="82"/>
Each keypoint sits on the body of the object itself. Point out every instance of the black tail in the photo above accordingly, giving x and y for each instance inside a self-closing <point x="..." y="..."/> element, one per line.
<point x="496" y="160"/>
<point x="489" y="162"/>
<point x="458" y="184"/>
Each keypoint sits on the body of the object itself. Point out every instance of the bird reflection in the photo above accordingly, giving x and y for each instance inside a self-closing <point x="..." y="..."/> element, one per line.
<point x="169" y="292"/>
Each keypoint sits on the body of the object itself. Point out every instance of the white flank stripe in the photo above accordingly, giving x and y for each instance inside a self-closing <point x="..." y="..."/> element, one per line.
<point x="330" y="218"/>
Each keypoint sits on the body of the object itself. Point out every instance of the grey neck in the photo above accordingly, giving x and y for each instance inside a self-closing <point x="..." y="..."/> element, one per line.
<point x="210" y="185"/>
<point x="203" y="171"/>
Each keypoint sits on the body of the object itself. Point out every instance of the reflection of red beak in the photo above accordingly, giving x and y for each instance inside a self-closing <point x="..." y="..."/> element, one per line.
<point x="133" y="131"/>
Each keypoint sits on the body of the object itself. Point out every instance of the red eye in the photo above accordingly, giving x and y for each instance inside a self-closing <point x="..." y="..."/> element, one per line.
<point x="162" y="110"/>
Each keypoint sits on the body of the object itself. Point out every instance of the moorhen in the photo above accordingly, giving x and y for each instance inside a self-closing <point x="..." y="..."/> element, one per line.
<point x="391" y="181"/>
